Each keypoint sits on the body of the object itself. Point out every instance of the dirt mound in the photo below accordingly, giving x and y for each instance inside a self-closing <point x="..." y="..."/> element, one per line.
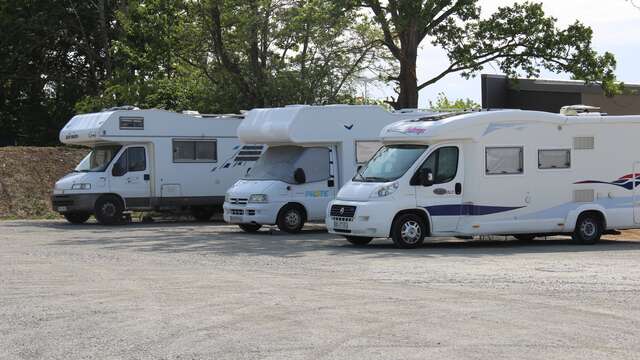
<point x="27" y="176"/>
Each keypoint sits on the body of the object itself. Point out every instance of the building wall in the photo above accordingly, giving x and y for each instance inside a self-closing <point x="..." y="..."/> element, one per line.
<point x="617" y="105"/>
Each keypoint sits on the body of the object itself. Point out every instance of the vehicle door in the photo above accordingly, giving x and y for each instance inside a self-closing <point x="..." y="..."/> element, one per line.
<point x="320" y="181"/>
<point x="636" y="193"/>
<point x="443" y="198"/>
<point x="130" y="178"/>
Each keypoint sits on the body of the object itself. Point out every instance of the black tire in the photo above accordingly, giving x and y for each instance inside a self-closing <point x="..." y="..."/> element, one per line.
<point x="291" y="219"/>
<point x="525" y="237"/>
<point x="250" y="228"/>
<point x="408" y="231"/>
<point x="589" y="229"/>
<point x="358" y="240"/>
<point x="202" y="213"/>
<point x="77" y="218"/>
<point x="109" y="210"/>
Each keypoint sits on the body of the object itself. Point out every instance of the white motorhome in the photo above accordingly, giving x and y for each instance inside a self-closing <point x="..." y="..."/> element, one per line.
<point x="313" y="150"/>
<point x="151" y="160"/>
<point x="520" y="173"/>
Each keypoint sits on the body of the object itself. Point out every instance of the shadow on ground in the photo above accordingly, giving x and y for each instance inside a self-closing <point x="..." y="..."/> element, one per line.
<point x="223" y="239"/>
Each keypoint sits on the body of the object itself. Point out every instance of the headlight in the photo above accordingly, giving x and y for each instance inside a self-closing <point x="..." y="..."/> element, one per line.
<point x="226" y="198"/>
<point x="82" y="186"/>
<point x="258" y="198"/>
<point x="385" y="190"/>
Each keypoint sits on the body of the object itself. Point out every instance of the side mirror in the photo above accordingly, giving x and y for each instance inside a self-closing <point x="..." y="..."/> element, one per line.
<point x="426" y="177"/>
<point x="299" y="176"/>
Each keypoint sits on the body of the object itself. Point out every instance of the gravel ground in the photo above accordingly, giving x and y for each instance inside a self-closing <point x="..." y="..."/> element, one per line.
<point x="192" y="291"/>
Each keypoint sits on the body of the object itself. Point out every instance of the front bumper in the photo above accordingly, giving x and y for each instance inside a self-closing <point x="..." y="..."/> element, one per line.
<point x="371" y="219"/>
<point x="263" y="214"/>
<point x="69" y="203"/>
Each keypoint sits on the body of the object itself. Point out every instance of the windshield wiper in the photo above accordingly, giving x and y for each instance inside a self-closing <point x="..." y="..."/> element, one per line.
<point x="375" y="179"/>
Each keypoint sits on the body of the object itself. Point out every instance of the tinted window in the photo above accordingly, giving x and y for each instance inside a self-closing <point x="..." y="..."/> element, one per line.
<point x="137" y="159"/>
<point x="365" y="150"/>
<point x="390" y="163"/>
<point x="554" y="159"/>
<point x="194" y="151"/>
<point x="504" y="160"/>
<point x="443" y="163"/>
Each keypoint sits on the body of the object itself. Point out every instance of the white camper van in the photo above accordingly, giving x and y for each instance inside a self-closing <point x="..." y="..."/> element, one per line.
<point x="520" y="173"/>
<point x="313" y="150"/>
<point x="150" y="159"/>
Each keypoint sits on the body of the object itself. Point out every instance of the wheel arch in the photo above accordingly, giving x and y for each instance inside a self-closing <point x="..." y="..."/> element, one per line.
<point x="120" y="198"/>
<point x="423" y="213"/>
<point x="598" y="210"/>
<point x="294" y="204"/>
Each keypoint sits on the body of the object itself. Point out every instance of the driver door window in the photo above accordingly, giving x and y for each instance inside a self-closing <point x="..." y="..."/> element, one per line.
<point x="132" y="159"/>
<point x="443" y="163"/>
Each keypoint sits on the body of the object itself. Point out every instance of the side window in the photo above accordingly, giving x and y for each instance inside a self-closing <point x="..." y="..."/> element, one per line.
<point x="137" y="159"/>
<point x="504" y="160"/>
<point x="365" y="150"/>
<point x="315" y="163"/>
<point x="443" y="163"/>
<point x="194" y="151"/>
<point x="120" y="166"/>
<point x="554" y="159"/>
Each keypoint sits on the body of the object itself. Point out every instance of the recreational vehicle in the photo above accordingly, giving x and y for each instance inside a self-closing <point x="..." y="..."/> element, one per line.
<point x="150" y="160"/>
<point x="313" y="150"/>
<point x="520" y="173"/>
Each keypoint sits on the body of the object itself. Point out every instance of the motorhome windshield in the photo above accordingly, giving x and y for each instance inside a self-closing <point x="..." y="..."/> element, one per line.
<point x="280" y="163"/>
<point x="98" y="159"/>
<point x="390" y="163"/>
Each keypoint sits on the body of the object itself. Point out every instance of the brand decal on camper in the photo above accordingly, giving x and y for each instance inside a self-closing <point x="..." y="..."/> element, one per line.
<point x="415" y="130"/>
<point x="626" y="181"/>
<point x="316" y="194"/>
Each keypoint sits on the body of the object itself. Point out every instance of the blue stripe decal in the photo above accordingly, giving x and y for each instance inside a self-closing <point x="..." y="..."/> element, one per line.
<point x="467" y="209"/>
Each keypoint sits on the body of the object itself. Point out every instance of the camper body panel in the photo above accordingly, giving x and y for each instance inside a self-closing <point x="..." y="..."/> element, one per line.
<point x="342" y="129"/>
<point x="593" y="168"/>
<point x="188" y="161"/>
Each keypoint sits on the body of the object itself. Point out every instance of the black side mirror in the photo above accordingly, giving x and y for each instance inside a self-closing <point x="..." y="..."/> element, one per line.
<point x="299" y="176"/>
<point x="426" y="177"/>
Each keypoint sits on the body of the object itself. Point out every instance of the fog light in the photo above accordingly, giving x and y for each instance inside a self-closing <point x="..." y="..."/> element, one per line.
<point x="363" y="218"/>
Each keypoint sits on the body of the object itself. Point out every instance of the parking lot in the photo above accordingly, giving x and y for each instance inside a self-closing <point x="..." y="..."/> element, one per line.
<point x="209" y="291"/>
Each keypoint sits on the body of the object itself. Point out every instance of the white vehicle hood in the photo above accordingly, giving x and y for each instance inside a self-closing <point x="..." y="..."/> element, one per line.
<point x="357" y="191"/>
<point x="245" y="188"/>
<point x="97" y="180"/>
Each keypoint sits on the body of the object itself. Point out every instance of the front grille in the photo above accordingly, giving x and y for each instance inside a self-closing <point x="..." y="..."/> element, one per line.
<point x="343" y="211"/>
<point x="61" y="200"/>
<point x="237" y="212"/>
<point x="238" y="201"/>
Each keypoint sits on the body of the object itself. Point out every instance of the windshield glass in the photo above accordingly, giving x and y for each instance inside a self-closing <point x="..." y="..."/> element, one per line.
<point x="98" y="159"/>
<point x="280" y="162"/>
<point x="390" y="163"/>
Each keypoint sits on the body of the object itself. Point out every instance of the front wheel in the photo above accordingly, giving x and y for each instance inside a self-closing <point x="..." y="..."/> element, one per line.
<point x="589" y="229"/>
<point x="250" y="228"/>
<point x="408" y="231"/>
<point x="77" y="218"/>
<point x="358" y="240"/>
<point x="291" y="219"/>
<point x="109" y="210"/>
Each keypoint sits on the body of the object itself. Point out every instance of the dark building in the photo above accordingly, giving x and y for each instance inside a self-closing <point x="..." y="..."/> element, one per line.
<point x="498" y="92"/>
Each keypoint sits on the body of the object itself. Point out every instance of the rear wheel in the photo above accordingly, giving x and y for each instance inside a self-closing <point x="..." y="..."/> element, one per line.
<point x="409" y="231"/>
<point x="109" y="210"/>
<point x="202" y="213"/>
<point x="589" y="229"/>
<point x="358" y="240"/>
<point x="250" y="228"/>
<point x="77" y="218"/>
<point x="291" y="219"/>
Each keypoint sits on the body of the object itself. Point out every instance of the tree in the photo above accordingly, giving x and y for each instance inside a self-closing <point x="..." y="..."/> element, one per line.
<point x="444" y="104"/>
<point x="519" y="39"/>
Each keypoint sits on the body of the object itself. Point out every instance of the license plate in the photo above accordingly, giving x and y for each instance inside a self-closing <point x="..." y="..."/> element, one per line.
<point x="62" y="208"/>
<point x="235" y="219"/>
<point x="341" y="225"/>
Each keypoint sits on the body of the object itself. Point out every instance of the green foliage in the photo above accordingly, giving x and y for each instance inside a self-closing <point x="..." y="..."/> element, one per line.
<point x="519" y="39"/>
<point x="443" y="104"/>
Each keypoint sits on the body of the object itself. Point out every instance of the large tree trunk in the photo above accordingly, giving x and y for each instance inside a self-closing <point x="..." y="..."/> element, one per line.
<point x="408" y="83"/>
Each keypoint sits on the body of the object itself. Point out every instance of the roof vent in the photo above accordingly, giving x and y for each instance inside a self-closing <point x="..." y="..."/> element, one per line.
<point x="575" y="110"/>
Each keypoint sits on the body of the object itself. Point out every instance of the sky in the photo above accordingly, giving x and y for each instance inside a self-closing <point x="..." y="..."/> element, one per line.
<point x="616" y="27"/>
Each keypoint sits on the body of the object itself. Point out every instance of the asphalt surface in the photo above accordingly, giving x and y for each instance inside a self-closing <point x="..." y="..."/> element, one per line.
<point x="192" y="291"/>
